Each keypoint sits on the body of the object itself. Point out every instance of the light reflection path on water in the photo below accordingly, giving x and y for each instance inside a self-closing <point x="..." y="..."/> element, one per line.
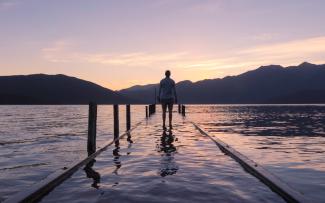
<point x="151" y="165"/>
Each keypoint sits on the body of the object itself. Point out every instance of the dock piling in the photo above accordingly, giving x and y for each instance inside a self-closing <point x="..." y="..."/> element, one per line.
<point x="128" y="117"/>
<point x="150" y="109"/>
<point x="92" y="123"/>
<point x="179" y="108"/>
<point x="183" y="110"/>
<point x="116" y="122"/>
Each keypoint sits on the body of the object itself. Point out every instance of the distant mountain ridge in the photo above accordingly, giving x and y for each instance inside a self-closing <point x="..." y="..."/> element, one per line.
<point x="304" y="83"/>
<point x="55" y="89"/>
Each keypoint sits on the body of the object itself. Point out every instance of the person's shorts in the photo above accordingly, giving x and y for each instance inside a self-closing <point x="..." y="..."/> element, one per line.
<point x="167" y="101"/>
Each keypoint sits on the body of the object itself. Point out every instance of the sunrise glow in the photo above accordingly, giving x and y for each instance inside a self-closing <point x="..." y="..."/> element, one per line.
<point x="118" y="44"/>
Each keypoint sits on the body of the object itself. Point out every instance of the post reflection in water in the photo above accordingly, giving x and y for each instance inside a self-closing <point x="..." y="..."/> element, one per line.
<point x="91" y="173"/>
<point x="167" y="149"/>
<point x="116" y="156"/>
<point x="130" y="141"/>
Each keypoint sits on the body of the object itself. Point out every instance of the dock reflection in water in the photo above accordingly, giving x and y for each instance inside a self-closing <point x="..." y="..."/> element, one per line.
<point x="116" y="156"/>
<point x="37" y="140"/>
<point x="161" y="166"/>
<point x="130" y="141"/>
<point x="91" y="173"/>
<point x="166" y="147"/>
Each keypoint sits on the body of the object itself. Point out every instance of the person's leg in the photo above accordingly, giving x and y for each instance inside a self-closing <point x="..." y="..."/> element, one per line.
<point x="170" y="109"/>
<point x="164" y="107"/>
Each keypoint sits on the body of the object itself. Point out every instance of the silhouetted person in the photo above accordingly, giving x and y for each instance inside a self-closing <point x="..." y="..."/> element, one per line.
<point x="167" y="97"/>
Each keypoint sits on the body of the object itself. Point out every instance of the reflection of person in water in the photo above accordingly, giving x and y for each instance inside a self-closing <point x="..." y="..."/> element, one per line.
<point x="91" y="173"/>
<point x="116" y="155"/>
<point x="168" y="164"/>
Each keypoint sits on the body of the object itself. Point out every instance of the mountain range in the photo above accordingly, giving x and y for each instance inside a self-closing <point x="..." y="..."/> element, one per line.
<point x="304" y="83"/>
<point x="55" y="89"/>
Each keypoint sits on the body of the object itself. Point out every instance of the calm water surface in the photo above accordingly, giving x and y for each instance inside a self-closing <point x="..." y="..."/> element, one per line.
<point x="288" y="140"/>
<point x="35" y="141"/>
<point x="157" y="167"/>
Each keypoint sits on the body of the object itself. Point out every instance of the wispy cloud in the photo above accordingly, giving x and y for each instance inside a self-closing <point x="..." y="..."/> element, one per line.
<point x="59" y="51"/>
<point x="286" y="53"/>
<point x="62" y="51"/>
<point x="134" y="59"/>
<point x="192" y="6"/>
<point x="265" y="36"/>
<point x="301" y="47"/>
<point x="7" y="4"/>
<point x="206" y="6"/>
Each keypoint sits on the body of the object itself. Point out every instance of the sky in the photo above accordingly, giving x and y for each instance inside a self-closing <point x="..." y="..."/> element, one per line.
<point x="121" y="43"/>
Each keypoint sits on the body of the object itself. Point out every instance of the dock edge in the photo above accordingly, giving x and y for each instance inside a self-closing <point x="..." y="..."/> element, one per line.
<point x="274" y="183"/>
<point x="37" y="191"/>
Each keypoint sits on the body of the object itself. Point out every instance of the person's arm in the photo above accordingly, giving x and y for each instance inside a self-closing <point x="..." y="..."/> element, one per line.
<point x="158" y="97"/>
<point x="175" y="94"/>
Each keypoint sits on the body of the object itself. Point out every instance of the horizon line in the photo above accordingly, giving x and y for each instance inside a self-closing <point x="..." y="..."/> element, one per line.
<point x="141" y="85"/>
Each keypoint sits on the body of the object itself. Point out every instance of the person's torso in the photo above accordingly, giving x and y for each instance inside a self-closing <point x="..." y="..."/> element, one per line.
<point x="167" y="88"/>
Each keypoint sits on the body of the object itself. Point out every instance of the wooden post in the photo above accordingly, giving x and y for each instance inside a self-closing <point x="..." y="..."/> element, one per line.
<point x="179" y="108"/>
<point x="128" y="117"/>
<point x="116" y="122"/>
<point x="92" y="122"/>
<point x="183" y="110"/>
<point x="149" y="109"/>
<point x="147" y="115"/>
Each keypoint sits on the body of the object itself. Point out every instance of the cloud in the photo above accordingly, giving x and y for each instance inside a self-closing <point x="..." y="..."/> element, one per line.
<point x="133" y="59"/>
<point x="265" y="36"/>
<point x="192" y="6"/>
<point x="7" y="4"/>
<point x="285" y="53"/>
<point x="62" y="52"/>
<point x="292" y="48"/>
<point x="206" y="6"/>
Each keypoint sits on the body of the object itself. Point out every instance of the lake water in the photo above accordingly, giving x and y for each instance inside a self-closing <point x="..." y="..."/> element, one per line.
<point x="35" y="141"/>
<point x="153" y="166"/>
<point x="288" y="140"/>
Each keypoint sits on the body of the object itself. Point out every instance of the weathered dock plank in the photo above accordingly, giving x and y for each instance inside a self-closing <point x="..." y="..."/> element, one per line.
<point x="269" y="179"/>
<point x="38" y="190"/>
<point x="154" y="165"/>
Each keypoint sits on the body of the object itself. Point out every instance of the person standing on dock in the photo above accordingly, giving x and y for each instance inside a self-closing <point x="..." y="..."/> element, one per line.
<point x="167" y="97"/>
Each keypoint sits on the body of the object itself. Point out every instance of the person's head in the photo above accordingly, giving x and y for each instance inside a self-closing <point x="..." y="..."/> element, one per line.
<point x="167" y="73"/>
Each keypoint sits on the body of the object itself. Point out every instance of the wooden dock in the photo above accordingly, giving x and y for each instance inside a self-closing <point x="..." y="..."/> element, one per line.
<point x="147" y="132"/>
